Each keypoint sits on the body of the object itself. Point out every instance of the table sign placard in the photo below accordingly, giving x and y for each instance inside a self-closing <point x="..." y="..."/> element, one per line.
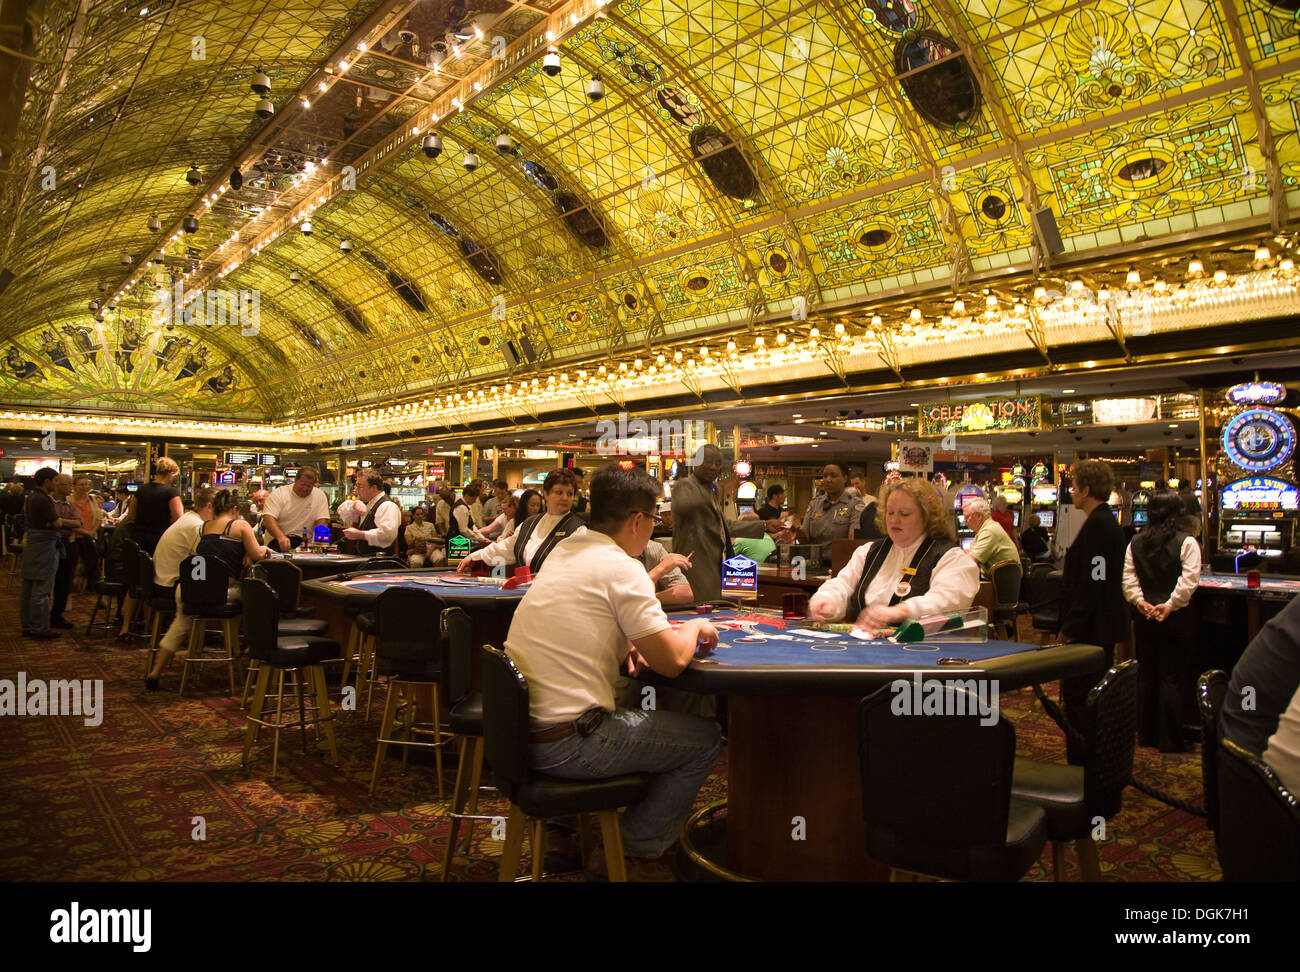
<point x="739" y="575"/>
<point x="457" y="549"/>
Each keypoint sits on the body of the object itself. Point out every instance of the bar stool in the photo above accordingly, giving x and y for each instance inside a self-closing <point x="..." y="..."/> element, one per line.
<point x="205" y="596"/>
<point x="286" y="580"/>
<point x="411" y="652"/>
<point x="160" y="602"/>
<point x="361" y="639"/>
<point x="112" y="588"/>
<point x="534" y="798"/>
<point x="297" y="655"/>
<point x="466" y="721"/>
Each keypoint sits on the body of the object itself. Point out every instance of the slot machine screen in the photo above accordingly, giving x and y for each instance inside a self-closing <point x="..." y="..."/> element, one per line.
<point x="966" y="542"/>
<point x="961" y="522"/>
<point x="1139" y="517"/>
<point x="1015" y="517"/>
<point x="1047" y="518"/>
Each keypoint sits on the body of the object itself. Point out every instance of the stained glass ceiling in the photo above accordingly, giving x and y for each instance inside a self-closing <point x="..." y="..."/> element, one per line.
<point x="750" y="168"/>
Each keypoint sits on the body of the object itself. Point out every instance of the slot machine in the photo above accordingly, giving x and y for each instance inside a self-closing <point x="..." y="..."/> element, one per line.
<point x="1116" y="504"/>
<point x="1141" y="500"/>
<point x="965" y="535"/>
<point x="1015" y="497"/>
<point x="1043" y="499"/>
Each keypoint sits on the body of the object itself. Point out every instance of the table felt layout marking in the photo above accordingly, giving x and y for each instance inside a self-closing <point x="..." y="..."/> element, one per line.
<point x="450" y="583"/>
<point x="1237" y="582"/>
<point x="746" y="639"/>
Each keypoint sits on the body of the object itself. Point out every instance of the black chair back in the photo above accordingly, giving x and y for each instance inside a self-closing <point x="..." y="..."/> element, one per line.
<point x="260" y="607"/>
<point x="1259" y="820"/>
<point x="505" y="721"/>
<point x="131" y="569"/>
<point x="204" y="583"/>
<point x="1211" y="688"/>
<point x="1044" y="597"/>
<point x="383" y="563"/>
<point x="917" y="783"/>
<point x="1109" y="766"/>
<point x="1006" y="584"/>
<point x="458" y="636"/>
<point x="285" y="577"/>
<point x="407" y="640"/>
<point x="148" y="579"/>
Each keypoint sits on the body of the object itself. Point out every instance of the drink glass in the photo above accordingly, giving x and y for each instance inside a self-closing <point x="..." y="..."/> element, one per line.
<point x="1252" y="578"/>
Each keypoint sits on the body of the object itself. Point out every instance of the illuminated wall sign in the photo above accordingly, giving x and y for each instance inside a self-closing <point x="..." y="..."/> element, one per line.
<point x="990" y="415"/>
<point x="739" y="575"/>
<point x="241" y="458"/>
<point x="226" y="478"/>
<point x="1124" y="411"/>
<point x="916" y="457"/>
<point x="743" y="469"/>
<point x="1260" y="493"/>
<point x="1259" y="439"/>
<point x="1266" y="392"/>
<point x="627" y="464"/>
<point x="437" y="470"/>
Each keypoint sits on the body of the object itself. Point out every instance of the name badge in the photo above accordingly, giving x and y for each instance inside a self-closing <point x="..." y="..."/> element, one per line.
<point x="904" y="587"/>
<point x="841" y="512"/>
<point x="559" y="533"/>
<point x="817" y="514"/>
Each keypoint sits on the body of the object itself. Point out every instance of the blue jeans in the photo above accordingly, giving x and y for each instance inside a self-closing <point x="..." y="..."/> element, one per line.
<point x="36" y="604"/>
<point x="680" y="749"/>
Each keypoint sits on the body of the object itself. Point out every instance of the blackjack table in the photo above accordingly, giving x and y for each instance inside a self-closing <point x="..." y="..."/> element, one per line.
<point x="322" y="564"/>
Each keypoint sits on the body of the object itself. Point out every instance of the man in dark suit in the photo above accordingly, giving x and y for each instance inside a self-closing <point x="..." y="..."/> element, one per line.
<point x="1092" y="595"/>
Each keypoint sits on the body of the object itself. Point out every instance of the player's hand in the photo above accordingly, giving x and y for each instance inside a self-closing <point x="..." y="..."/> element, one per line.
<point x="463" y="566"/>
<point x="1160" y="612"/>
<point x="675" y="560"/>
<point x="635" y="663"/>
<point x="772" y="526"/>
<point x="265" y="552"/>
<point x="821" y="609"/>
<point x="706" y="637"/>
<point x="352" y="533"/>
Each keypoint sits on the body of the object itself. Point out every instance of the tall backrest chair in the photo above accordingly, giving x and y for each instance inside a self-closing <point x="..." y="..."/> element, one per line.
<point x="1211" y="688"/>
<point x="1259" y="819"/>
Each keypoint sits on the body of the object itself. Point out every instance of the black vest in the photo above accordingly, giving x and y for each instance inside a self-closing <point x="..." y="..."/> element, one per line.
<point x="927" y="555"/>
<point x="568" y="523"/>
<point x="453" y="527"/>
<point x="368" y="523"/>
<point x="1158" y="570"/>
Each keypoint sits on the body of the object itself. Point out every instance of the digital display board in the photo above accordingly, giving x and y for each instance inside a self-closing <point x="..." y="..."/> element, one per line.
<point x="268" y="459"/>
<point x="1260" y="493"/>
<point x="234" y="458"/>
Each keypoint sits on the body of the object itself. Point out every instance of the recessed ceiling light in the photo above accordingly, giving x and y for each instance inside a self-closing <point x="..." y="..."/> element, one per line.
<point x="821" y="433"/>
<point x="914" y="405"/>
<point x="1173" y="425"/>
<point x="1067" y="391"/>
<point x="797" y="415"/>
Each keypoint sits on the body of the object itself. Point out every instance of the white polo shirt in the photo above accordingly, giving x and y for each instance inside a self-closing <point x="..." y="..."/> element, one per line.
<point x="177" y="542"/>
<point x="572" y="628"/>
<point x="295" y="513"/>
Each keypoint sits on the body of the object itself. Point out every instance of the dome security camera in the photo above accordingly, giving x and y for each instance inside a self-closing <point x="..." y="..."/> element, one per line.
<point x="346" y="246"/>
<point x="595" y="89"/>
<point x="551" y="64"/>
<point x="293" y="276"/>
<point x="261" y="84"/>
<point x="865" y="438"/>
<point x="155" y="224"/>
<point x="433" y="146"/>
<point x="126" y="260"/>
<point x="264" y="109"/>
<point x="470" y="162"/>
<point x="306" y="227"/>
<point x="194" y="176"/>
<point x="1121" y="428"/>
<point x="103" y="286"/>
<point x="505" y="144"/>
<point x="190" y="224"/>
<point x="1105" y="441"/>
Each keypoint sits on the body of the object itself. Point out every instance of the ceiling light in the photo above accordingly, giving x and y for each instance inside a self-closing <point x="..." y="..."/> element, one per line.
<point x="190" y="224"/>
<point x="915" y="314"/>
<point x="343" y="65"/>
<point x="551" y="64"/>
<point x="126" y="259"/>
<point x="595" y="89"/>
<point x="1262" y="254"/>
<point x="1220" y="275"/>
<point x="1133" y="278"/>
<point x="1040" y="294"/>
<point x="306" y="227"/>
<point x="155" y="224"/>
<point x="505" y="144"/>
<point x="1195" y="267"/>
<point x="959" y="307"/>
<point x="1067" y="391"/>
<point x="193" y="176"/>
<point x="345" y="246"/>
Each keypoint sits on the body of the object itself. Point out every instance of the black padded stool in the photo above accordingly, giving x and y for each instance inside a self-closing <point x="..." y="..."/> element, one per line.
<point x="1073" y="796"/>
<point x="936" y="794"/>
<point x="535" y="798"/>
<point x="466" y="721"/>
<point x="161" y="602"/>
<point x="296" y="655"/>
<point x="285" y="579"/>
<point x="1211" y="688"/>
<point x="106" y="592"/>
<point x="205" y="596"/>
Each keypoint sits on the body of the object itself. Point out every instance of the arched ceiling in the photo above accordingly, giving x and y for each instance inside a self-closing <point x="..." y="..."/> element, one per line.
<point x="888" y="147"/>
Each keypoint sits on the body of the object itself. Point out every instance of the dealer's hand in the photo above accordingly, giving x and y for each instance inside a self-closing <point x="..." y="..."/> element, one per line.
<point x="821" y="608"/>
<point x="878" y="617"/>
<point x="352" y="533"/>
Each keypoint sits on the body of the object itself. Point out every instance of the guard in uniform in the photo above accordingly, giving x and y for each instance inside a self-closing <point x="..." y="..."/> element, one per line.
<point x="834" y="513"/>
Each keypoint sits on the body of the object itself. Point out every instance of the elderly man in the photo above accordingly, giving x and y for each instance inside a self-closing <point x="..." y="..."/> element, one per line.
<point x="699" y="530"/>
<point x="293" y="508"/>
<point x="372" y="519"/>
<point x="992" y="545"/>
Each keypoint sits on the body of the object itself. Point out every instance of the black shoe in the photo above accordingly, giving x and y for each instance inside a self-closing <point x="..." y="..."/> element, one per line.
<point x="60" y="623"/>
<point x="42" y="635"/>
<point x="151" y="684"/>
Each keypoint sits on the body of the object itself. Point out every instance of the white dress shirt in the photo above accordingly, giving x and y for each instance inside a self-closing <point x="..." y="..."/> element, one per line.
<point x="1283" y="750"/>
<point x="505" y="547"/>
<point x="954" y="582"/>
<point x="388" y="519"/>
<point x="1190" y="555"/>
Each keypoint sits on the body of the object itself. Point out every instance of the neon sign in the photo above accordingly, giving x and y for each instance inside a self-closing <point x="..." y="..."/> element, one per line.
<point x="1260" y="493"/>
<point x="1266" y="392"/>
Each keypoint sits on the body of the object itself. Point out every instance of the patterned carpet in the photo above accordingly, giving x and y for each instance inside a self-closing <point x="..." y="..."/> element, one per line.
<point x="119" y="802"/>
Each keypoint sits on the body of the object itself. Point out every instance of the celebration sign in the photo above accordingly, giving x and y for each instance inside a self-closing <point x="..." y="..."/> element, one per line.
<point x="1020" y="414"/>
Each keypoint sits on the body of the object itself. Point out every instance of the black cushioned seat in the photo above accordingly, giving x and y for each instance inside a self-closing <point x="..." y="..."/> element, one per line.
<point x="215" y="611"/>
<point x="936" y="793"/>
<point x="303" y="626"/>
<point x="295" y="651"/>
<point x="1073" y="796"/>
<point x="109" y="588"/>
<point x="550" y="796"/>
<point x="1259" y="819"/>
<point x="466" y="717"/>
<point x="286" y="579"/>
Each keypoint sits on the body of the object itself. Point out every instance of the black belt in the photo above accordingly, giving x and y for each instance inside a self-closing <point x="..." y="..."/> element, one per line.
<point x="584" y="726"/>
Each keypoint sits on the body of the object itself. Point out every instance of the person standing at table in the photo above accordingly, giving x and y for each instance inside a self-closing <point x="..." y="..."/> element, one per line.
<point x="372" y="519"/>
<point x="700" y="531"/>
<point x="69" y="523"/>
<point x="40" y="555"/>
<point x="460" y="521"/>
<point x="538" y="535"/>
<point x="1162" y="569"/>
<point x="833" y="513"/>
<point x="918" y="570"/>
<point x="771" y="510"/>
<point x="1092" y="609"/>
<point x="991" y="545"/>
<point x="157" y="504"/>
<point x="293" y="508"/>
<point x="594" y="585"/>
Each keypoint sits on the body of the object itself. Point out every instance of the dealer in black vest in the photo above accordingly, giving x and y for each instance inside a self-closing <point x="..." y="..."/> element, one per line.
<point x="372" y="519"/>
<point x="916" y="571"/>
<point x="537" y="536"/>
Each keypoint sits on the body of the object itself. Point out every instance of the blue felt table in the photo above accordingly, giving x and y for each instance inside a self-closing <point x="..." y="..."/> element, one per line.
<point x="765" y="654"/>
<point x="361" y="590"/>
<point x="1236" y="583"/>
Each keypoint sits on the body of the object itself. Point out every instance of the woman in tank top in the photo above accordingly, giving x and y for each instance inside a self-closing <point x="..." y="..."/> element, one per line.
<point x="1162" y="569"/>
<point x="227" y="537"/>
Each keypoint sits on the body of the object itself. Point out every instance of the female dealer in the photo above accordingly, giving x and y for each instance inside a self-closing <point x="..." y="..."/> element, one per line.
<point x="916" y="571"/>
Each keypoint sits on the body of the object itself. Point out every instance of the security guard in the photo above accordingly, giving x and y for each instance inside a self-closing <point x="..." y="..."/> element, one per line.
<point x="833" y="513"/>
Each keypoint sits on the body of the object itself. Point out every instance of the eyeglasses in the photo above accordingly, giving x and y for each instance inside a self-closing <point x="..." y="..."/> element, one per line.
<point x="654" y="516"/>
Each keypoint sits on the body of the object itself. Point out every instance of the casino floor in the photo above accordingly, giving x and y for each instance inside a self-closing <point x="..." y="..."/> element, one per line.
<point x="121" y="801"/>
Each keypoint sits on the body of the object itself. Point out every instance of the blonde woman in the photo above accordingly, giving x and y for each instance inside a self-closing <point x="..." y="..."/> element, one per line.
<point x="153" y="509"/>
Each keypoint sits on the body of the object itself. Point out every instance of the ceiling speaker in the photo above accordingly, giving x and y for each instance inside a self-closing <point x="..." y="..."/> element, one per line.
<point x="1049" y="237"/>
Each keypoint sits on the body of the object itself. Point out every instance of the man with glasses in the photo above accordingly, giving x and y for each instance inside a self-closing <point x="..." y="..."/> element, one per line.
<point x="592" y="611"/>
<point x="292" y="508"/>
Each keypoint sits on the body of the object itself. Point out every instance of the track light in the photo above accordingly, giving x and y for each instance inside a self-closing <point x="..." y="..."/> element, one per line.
<point x="470" y="162"/>
<point x="261" y="84"/>
<point x="194" y="176"/>
<point x="433" y="146"/>
<point x="551" y="64"/>
<point x="265" y="109"/>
